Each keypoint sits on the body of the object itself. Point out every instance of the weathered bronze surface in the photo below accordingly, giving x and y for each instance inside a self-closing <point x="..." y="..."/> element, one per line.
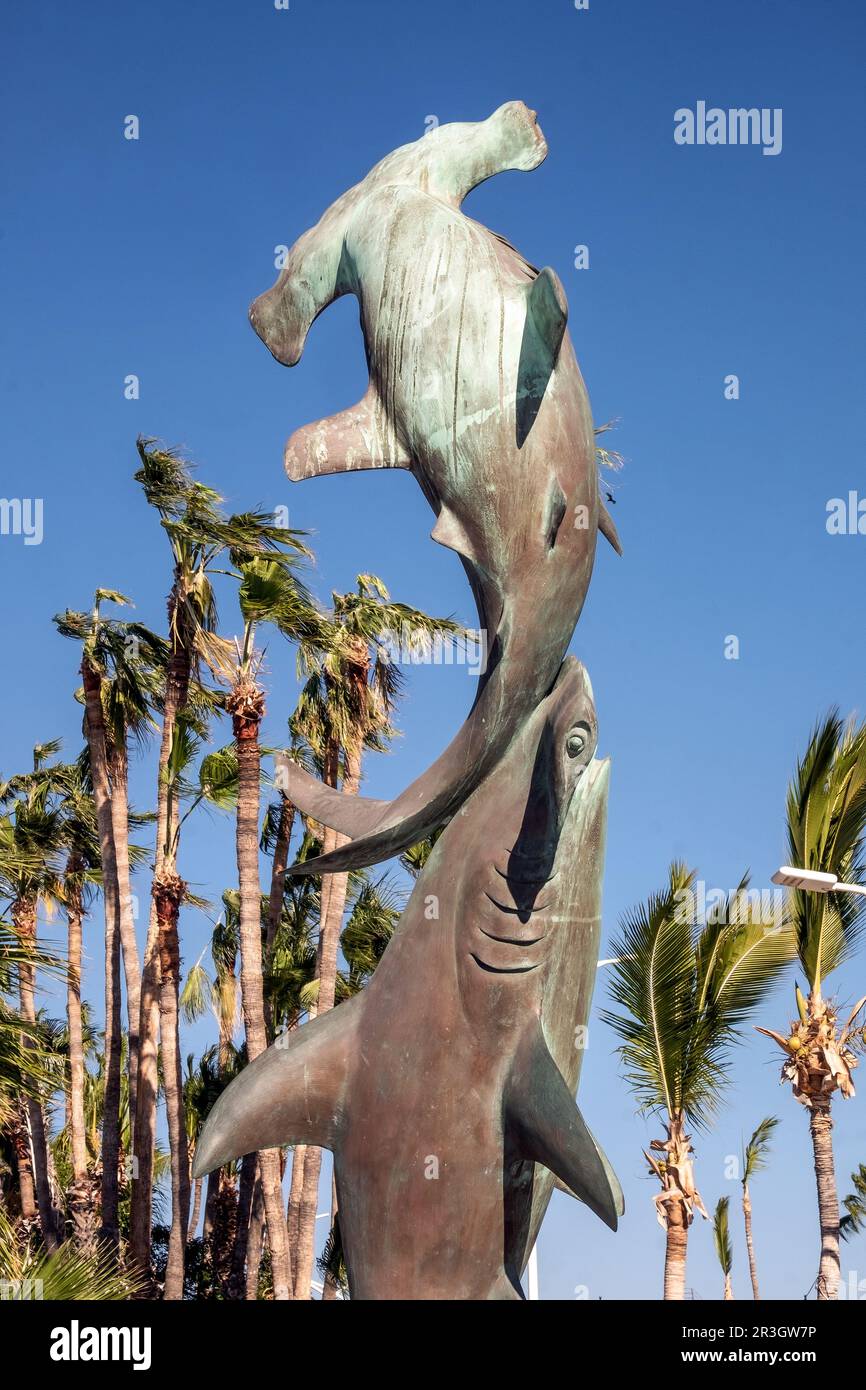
<point x="474" y="387"/>
<point x="445" y="1089"/>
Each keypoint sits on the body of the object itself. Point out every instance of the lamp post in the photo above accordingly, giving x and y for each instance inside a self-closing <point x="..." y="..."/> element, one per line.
<point x="812" y="881"/>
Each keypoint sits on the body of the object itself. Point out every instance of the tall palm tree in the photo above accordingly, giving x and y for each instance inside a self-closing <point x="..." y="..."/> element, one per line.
<point x="80" y="873"/>
<point x="199" y="535"/>
<point x="826" y="824"/>
<point x="683" y="989"/>
<point x="269" y="591"/>
<point x="130" y="661"/>
<point x="722" y="1242"/>
<point x="227" y="1211"/>
<point x="183" y="506"/>
<point x="755" y="1155"/>
<point x="291" y="989"/>
<point x="346" y="706"/>
<point x="31" y="844"/>
<point x="854" y="1220"/>
<point x="26" y="1069"/>
<point x="217" y="778"/>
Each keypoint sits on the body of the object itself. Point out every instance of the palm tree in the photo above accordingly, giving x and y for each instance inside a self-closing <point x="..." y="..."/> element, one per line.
<point x="854" y="1220"/>
<point x="291" y="989"/>
<point x="269" y="591"/>
<point x="31" y="843"/>
<point x="755" y="1155"/>
<point x="345" y="707"/>
<point x="203" y="1085"/>
<point x="217" y="778"/>
<point x="26" y="1068"/>
<point x="199" y="535"/>
<point x="684" y="989"/>
<point x="722" y="1242"/>
<point x="131" y="661"/>
<point x="81" y="872"/>
<point x="826" y="823"/>
<point x="183" y="506"/>
<point x="63" y="1274"/>
<point x="227" y="1211"/>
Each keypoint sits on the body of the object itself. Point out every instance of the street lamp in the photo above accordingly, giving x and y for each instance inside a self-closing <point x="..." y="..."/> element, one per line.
<point x="811" y="881"/>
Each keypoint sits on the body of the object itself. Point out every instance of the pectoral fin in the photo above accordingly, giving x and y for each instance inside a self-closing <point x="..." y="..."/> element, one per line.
<point x="292" y="1094"/>
<point x="550" y="1129"/>
<point x="358" y="438"/>
<point x="350" y="815"/>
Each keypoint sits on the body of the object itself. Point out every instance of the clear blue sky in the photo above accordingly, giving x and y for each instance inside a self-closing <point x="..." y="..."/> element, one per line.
<point x="141" y="257"/>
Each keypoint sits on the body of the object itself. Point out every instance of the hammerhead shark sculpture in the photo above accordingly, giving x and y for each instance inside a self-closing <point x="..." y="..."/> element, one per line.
<point x="474" y="387"/>
<point x="445" y="1089"/>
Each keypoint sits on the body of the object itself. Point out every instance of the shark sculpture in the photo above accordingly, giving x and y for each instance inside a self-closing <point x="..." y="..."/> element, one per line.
<point x="474" y="387"/>
<point x="445" y="1089"/>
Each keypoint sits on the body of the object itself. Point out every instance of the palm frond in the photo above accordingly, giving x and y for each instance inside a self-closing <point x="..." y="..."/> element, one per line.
<point x="756" y="1152"/>
<point x="722" y="1235"/>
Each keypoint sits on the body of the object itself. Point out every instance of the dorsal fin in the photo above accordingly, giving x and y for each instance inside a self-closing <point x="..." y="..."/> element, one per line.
<point x="548" y="308"/>
<point x="548" y="1128"/>
<point x="543" y="331"/>
<point x="292" y="1094"/>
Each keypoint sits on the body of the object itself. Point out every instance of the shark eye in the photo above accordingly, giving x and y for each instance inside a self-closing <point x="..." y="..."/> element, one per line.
<point x="575" y="743"/>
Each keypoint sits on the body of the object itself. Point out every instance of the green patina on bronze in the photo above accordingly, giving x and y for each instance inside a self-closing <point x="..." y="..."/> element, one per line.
<point x="445" y="1090"/>
<point x="475" y="388"/>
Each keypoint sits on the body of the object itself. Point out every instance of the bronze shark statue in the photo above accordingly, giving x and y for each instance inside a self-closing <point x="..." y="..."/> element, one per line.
<point x="474" y="387"/>
<point x="445" y="1089"/>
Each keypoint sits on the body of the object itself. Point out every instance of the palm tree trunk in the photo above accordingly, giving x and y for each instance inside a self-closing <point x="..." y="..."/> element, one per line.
<point x="278" y="868"/>
<point x="176" y="689"/>
<point x="675" y="1251"/>
<point x="246" y="1189"/>
<point x="255" y="1243"/>
<point x="334" y="891"/>
<point x="119" y="772"/>
<point x="213" y="1183"/>
<point x="24" y="918"/>
<point x="729" y="1292"/>
<point x="24" y="1163"/>
<point x="80" y="1192"/>
<point x="169" y="893"/>
<point x="196" y="1208"/>
<point x="329" y="1291"/>
<point x="750" y="1249"/>
<point x="246" y="717"/>
<point x="96" y="743"/>
<point x="293" y="1211"/>
<point x="821" y="1129"/>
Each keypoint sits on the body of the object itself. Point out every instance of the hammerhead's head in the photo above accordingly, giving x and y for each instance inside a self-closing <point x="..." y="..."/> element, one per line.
<point x="445" y="1089"/>
<point x="475" y="388"/>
